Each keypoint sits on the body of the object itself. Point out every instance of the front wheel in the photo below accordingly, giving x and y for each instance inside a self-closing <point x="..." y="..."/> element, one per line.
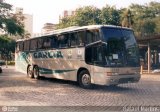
<point x="36" y="72"/>
<point x="85" y="79"/>
<point x="30" y="72"/>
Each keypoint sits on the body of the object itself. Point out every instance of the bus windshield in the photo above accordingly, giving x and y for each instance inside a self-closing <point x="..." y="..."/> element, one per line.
<point x="120" y="48"/>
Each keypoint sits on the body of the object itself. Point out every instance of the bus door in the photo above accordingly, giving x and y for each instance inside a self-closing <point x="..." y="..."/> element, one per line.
<point x="94" y="56"/>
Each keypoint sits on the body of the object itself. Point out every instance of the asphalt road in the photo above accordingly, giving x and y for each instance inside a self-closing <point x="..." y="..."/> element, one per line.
<point x="18" y="90"/>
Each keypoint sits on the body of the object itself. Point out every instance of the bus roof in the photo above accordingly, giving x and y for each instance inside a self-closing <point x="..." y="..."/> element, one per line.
<point x="75" y="28"/>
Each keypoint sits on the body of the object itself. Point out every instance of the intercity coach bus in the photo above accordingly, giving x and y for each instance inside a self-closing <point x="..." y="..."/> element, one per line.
<point x="95" y="54"/>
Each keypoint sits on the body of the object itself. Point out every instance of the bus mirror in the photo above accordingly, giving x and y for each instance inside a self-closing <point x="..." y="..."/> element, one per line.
<point x="105" y="43"/>
<point x="97" y="42"/>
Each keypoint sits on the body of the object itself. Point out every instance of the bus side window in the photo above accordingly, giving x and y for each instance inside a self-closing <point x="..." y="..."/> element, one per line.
<point x="26" y="45"/>
<point x="81" y="38"/>
<point x="93" y="55"/>
<point x="54" y="43"/>
<point x="47" y="43"/>
<point x="40" y="43"/>
<point x="73" y="40"/>
<point x="92" y="36"/>
<point x="17" y="47"/>
<point x="63" y="41"/>
<point x="33" y="45"/>
<point x="21" y="45"/>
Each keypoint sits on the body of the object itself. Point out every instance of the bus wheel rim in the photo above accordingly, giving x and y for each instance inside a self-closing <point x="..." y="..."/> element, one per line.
<point x="36" y="73"/>
<point x="86" y="79"/>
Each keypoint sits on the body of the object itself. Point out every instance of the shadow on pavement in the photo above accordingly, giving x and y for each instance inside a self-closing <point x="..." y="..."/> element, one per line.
<point x="94" y="88"/>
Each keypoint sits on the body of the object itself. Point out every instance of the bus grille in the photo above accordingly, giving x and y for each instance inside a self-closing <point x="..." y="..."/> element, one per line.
<point x="127" y="74"/>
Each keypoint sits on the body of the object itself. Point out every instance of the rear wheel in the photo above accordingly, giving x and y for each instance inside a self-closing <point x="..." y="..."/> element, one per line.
<point x="85" y="79"/>
<point x="30" y="72"/>
<point x="36" y="72"/>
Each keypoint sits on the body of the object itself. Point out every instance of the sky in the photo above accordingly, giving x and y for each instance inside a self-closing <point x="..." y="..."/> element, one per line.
<point x="48" y="11"/>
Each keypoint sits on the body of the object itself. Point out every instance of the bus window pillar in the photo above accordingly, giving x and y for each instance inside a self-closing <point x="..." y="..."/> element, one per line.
<point x="149" y="57"/>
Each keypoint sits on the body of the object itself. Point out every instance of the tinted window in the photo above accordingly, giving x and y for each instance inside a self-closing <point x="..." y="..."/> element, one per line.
<point x="94" y="55"/>
<point x="63" y="40"/>
<point x="77" y="39"/>
<point x="47" y="43"/>
<point x="33" y="45"/>
<point x="17" y="46"/>
<point x="26" y="45"/>
<point x="54" y="42"/>
<point x="92" y="36"/>
<point x="120" y="47"/>
<point x="81" y="38"/>
<point x="21" y="46"/>
<point x="40" y="43"/>
<point x="73" y="39"/>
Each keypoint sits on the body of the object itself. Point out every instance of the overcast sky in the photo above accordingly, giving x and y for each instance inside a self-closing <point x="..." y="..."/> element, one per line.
<point x="44" y="11"/>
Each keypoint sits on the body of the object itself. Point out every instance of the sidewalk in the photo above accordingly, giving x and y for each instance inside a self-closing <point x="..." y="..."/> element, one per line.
<point x="8" y="67"/>
<point x="145" y="72"/>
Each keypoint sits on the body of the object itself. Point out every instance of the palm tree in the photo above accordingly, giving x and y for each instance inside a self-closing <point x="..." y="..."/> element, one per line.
<point x="127" y="19"/>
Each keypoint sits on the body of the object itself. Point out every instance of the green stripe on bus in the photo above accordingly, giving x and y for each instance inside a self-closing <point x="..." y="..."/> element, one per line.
<point x="50" y="71"/>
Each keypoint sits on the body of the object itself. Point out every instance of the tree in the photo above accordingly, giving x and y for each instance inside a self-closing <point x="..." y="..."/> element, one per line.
<point x="110" y="15"/>
<point x="127" y="20"/>
<point x="146" y="18"/>
<point x="7" y="46"/>
<point x="11" y="26"/>
<point x="148" y="27"/>
<point x="8" y="22"/>
<point x="88" y="15"/>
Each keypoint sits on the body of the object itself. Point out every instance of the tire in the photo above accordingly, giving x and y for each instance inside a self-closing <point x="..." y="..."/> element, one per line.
<point x="30" y="72"/>
<point x="36" y="72"/>
<point x="85" y="80"/>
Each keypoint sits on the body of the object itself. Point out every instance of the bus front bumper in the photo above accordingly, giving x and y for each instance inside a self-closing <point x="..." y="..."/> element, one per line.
<point x="121" y="79"/>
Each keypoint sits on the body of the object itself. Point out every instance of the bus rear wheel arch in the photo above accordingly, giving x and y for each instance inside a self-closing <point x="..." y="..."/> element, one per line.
<point x="84" y="79"/>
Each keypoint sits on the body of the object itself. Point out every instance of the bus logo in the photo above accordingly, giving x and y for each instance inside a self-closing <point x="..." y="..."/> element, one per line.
<point x="45" y="54"/>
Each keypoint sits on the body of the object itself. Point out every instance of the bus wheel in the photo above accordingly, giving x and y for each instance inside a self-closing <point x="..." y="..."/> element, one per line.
<point x="30" y="72"/>
<point x="85" y="79"/>
<point x="36" y="72"/>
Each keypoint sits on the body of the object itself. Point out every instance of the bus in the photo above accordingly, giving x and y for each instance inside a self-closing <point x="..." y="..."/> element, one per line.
<point x="94" y="54"/>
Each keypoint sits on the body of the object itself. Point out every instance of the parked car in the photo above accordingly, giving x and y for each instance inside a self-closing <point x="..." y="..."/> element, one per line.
<point x="0" y="69"/>
<point x="2" y="62"/>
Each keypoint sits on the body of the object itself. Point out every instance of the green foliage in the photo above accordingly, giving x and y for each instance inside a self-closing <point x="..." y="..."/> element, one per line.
<point x="91" y="15"/>
<point x="149" y="27"/>
<point x="8" y="22"/>
<point x="127" y="18"/>
<point x="7" y="46"/>
<point x="144" y="19"/>
<point x="88" y="15"/>
<point x="12" y="27"/>
<point x="110" y="15"/>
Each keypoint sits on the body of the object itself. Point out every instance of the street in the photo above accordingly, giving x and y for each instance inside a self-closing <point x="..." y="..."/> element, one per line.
<point x="18" y="90"/>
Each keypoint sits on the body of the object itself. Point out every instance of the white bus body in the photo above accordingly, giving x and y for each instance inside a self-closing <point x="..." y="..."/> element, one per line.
<point x="100" y="57"/>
